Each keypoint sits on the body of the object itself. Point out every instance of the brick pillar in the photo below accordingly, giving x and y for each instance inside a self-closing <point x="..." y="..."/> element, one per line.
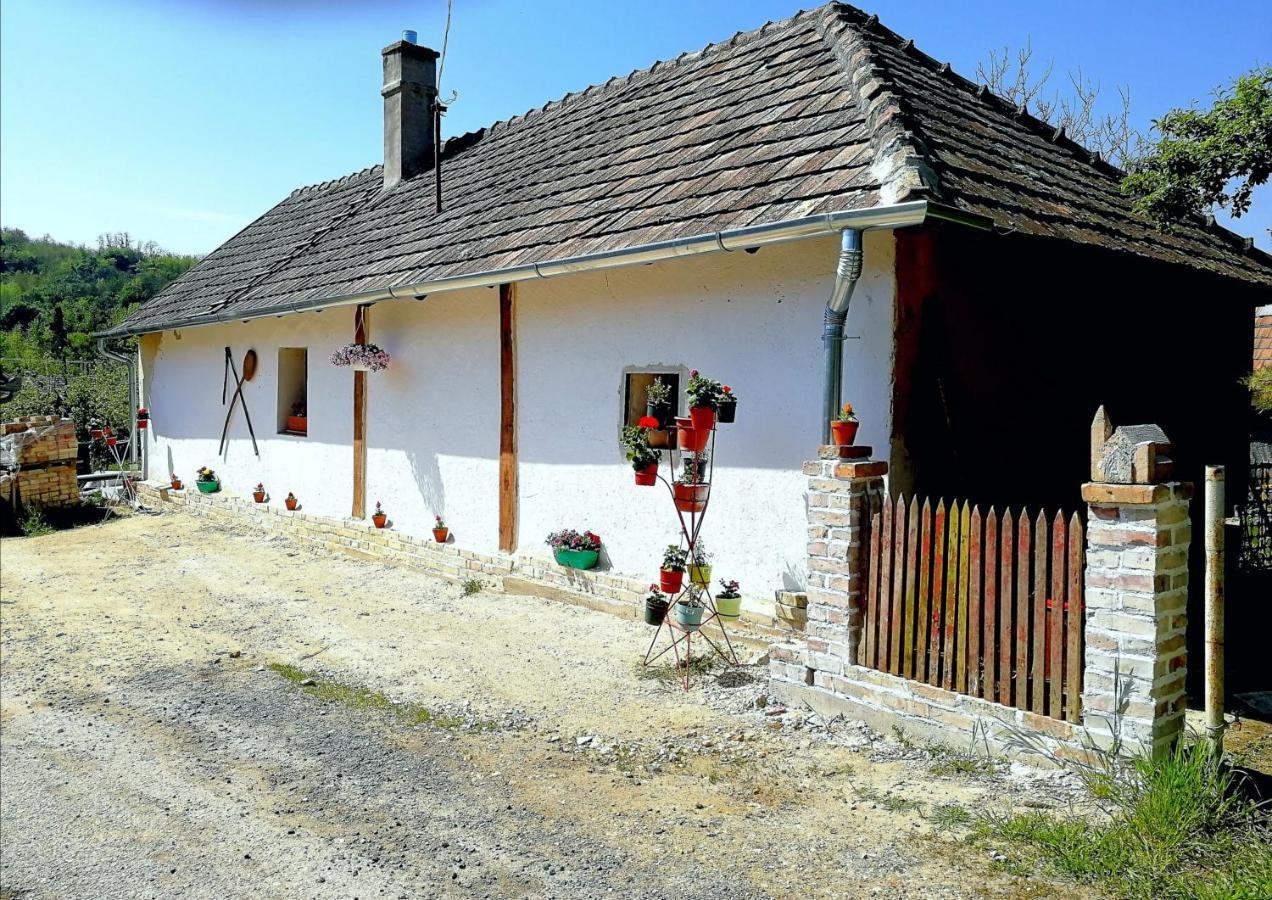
<point x="843" y="483"/>
<point x="1136" y="612"/>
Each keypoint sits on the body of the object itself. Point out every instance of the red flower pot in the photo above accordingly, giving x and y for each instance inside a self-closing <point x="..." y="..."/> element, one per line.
<point x="691" y="498"/>
<point x="380" y="520"/>
<point x="647" y="475"/>
<point x="291" y="502"/>
<point x="176" y="484"/>
<point x="690" y="439"/>
<point x="440" y="534"/>
<point x="703" y="417"/>
<point x="258" y="496"/>
<point x="670" y="582"/>
<point x="843" y="433"/>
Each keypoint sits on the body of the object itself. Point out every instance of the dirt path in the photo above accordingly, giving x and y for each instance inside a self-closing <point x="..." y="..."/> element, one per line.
<point x="488" y="745"/>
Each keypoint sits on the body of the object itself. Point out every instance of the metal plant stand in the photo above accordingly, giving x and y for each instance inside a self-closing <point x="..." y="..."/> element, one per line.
<point x="681" y="638"/>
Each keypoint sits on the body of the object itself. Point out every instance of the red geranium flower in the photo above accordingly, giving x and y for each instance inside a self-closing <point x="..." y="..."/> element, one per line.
<point x="648" y="422"/>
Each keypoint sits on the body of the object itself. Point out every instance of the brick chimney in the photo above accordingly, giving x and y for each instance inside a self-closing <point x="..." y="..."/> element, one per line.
<point x="410" y="90"/>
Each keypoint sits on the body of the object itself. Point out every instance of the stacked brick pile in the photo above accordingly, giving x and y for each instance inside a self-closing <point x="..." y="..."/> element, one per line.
<point x="37" y="461"/>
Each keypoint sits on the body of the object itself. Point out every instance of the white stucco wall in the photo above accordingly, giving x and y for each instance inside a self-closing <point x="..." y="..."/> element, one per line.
<point x="751" y="320"/>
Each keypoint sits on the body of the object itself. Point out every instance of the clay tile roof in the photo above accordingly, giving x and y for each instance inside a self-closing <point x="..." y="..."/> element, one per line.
<point x="824" y="111"/>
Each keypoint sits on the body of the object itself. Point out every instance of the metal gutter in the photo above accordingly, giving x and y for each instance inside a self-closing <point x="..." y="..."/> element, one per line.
<point x="898" y="215"/>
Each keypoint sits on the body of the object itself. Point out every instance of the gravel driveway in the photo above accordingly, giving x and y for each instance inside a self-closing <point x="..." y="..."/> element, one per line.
<point x="192" y="712"/>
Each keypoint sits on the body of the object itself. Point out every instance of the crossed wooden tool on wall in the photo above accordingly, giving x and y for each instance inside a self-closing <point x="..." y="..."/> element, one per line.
<point x="249" y="371"/>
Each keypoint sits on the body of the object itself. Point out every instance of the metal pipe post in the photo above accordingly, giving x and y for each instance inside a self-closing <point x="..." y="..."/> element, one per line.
<point x="1214" y="605"/>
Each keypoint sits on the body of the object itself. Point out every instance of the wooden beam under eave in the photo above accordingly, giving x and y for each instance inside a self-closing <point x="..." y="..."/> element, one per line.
<point x="362" y="315"/>
<point x="507" y="418"/>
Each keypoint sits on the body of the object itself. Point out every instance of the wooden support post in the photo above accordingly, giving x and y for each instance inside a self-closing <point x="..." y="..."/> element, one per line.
<point x="507" y="419"/>
<point x="362" y="314"/>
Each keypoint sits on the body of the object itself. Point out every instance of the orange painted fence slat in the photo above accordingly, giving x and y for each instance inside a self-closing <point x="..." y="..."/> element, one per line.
<point x="978" y="603"/>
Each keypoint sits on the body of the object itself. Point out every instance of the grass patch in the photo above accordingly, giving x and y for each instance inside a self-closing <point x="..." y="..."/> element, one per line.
<point x="1179" y="827"/>
<point x="890" y="802"/>
<point x="948" y="816"/>
<point x="670" y="671"/>
<point x="471" y="586"/>
<point x="948" y="761"/>
<point x="329" y="691"/>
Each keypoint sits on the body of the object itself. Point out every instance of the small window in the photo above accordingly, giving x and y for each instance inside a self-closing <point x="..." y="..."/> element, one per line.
<point x="293" y="395"/>
<point x="636" y="403"/>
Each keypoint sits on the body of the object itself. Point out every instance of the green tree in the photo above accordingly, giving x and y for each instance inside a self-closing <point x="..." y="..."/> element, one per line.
<point x="1206" y="158"/>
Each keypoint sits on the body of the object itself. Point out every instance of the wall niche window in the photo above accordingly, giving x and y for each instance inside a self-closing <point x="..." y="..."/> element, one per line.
<point x="293" y="394"/>
<point x="636" y="401"/>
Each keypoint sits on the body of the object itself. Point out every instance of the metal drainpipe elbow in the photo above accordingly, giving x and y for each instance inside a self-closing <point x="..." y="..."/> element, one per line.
<point x="134" y="399"/>
<point x="847" y="273"/>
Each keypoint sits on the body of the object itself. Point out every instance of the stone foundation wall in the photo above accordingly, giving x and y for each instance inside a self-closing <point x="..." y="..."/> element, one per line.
<point x="522" y="574"/>
<point x="38" y="458"/>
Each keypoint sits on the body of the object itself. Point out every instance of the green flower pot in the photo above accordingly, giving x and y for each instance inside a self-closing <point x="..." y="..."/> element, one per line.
<point x="655" y="612"/>
<point x="728" y="607"/>
<point x="576" y="559"/>
<point x="689" y="617"/>
<point x="208" y="487"/>
<point x="700" y="575"/>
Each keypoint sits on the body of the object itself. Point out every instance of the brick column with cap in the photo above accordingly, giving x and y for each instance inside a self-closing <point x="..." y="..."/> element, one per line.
<point x="1136" y="613"/>
<point x="844" y="487"/>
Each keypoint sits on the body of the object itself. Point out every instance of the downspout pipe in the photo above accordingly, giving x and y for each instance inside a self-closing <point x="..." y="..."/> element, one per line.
<point x="847" y="273"/>
<point x="134" y="436"/>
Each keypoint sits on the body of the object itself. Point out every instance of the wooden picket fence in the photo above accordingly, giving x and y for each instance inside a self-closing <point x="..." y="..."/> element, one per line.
<point x="976" y="604"/>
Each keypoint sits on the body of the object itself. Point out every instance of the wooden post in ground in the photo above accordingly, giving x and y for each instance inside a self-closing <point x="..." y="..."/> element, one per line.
<point x="507" y="419"/>
<point x="1214" y="501"/>
<point x="362" y="313"/>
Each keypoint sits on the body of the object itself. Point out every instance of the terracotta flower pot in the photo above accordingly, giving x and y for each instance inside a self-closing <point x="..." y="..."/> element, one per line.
<point x="647" y="475"/>
<point x="703" y="417"/>
<point x="258" y="496"/>
<point x="176" y="484"/>
<point x="690" y="439"/>
<point x="691" y="498"/>
<point x="298" y="424"/>
<point x="380" y="520"/>
<point x="670" y="582"/>
<point x="292" y="503"/>
<point x="440" y="534"/>
<point x="843" y="433"/>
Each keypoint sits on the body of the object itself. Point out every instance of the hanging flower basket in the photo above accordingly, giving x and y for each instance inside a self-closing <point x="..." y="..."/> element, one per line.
<point x="361" y="358"/>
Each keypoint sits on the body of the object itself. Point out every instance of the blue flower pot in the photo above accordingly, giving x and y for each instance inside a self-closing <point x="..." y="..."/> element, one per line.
<point x="689" y="617"/>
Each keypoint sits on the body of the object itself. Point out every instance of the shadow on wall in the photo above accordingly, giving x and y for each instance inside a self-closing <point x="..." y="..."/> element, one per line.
<point x="428" y="479"/>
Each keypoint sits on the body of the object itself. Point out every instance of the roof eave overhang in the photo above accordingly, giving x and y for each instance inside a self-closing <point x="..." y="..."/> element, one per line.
<point x="897" y="215"/>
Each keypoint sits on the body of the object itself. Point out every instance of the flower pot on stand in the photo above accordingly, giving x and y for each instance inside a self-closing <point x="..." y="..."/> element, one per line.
<point x="655" y="611"/>
<point x="728" y="607"/>
<point x="440" y="534"/>
<point x="843" y="433"/>
<point x="690" y="439"/>
<point x="670" y="581"/>
<point x="648" y="475"/>
<point x="576" y="559"/>
<point x="726" y="411"/>
<point x="689" y="617"/>
<point x="700" y="575"/>
<point x="691" y="498"/>
<point x="380" y="520"/>
<point x="703" y="417"/>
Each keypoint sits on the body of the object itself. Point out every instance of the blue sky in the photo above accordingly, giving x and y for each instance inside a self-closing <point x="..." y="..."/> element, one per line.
<point x="181" y="121"/>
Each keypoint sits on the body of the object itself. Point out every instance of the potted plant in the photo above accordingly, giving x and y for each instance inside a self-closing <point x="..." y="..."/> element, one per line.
<point x="843" y="428"/>
<point x="689" y="612"/>
<point x="728" y="603"/>
<point x="176" y="483"/>
<point x="672" y="574"/>
<point x="378" y="517"/>
<point x="727" y="405"/>
<point x="658" y="403"/>
<point x="690" y="439"/>
<point x="297" y="422"/>
<point x="700" y="564"/>
<point x="291" y="501"/>
<point x="691" y="490"/>
<point x="207" y="481"/>
<point x="361" y="358"/>
<point x="258" y="493"/>
<point x="655" y="606"/>
<point x="703" y="394"/>
<point x="575" y="549"/>
<point x="440" y="531"/>
<point x="644" y="458"/>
